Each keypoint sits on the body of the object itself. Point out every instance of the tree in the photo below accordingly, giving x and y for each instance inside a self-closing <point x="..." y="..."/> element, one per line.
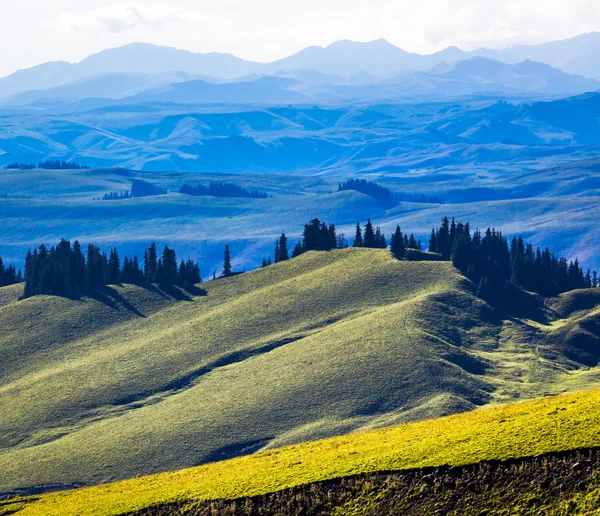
<point x="461" y="253"/>
<point x="150" y="262"/>
<point x="298" y="249"/>
<point x="369" y="236"/>
<point x="114" y="267"/>
<point x="341" y="242"/>
<point x="283" y="248"/>
<point x="443" y="239"/>
<point x="380" y="241"/>
<point x="432" y="242"/>
<point x="412" y="242"/>
<point x="397" y="244"/>
<point x="227" y="262"/>
<point x="96" y="267"/>
<point x="358" y="239"/>
<point x="169" y="275"/>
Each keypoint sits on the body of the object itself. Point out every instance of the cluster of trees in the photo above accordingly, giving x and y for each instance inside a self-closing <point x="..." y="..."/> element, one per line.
<point x="400" y="242"/>
<point x="385" y="195"/>
<point x="489" y="261"/>
<point x="63" y="270"/>
<point x="372" y="238"/>
<point x="141" y="188"/>
<point x="61" y="165"/>
<point x="9" y="275"/>
<point x="221" y="190"/>
<point x="320" y="236"/>
<point x="381" y="193"/>
<point x="317" y="236"/>
<point x="20" y="166"/>
<point x="116" y="196"/>
<point x="48" y="165"/>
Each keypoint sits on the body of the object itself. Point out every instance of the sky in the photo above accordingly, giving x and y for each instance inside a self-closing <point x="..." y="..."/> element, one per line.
<point x="36" y="31"/>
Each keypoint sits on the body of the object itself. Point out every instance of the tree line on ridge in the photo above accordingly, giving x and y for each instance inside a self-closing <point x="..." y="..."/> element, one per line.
<point x="485" y="258"/>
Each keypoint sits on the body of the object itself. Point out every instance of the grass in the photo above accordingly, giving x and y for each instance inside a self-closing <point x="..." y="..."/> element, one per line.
<point x="138" y="382"/>
<point x="524" y="429"/>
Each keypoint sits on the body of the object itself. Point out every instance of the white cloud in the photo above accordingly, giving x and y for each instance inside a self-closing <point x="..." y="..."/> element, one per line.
<point x="128" y="16"/>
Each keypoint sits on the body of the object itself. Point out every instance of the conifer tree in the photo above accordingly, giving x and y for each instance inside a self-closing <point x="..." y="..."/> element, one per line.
<point x="227" y="262"/>
<point x="114" y="267"/>
<point x="358" y="239"/>
<point x="397" y="244"/>
<point x="283" y="249"/>
<point x="412" y="242"/>
<point x="170" y="274"/>
<point x="150" y="262"/>
<point x="432" y="242"/>
<point x="298" y="249"/>
<point x="369" y="236"/>
<point x="276" y="252"/>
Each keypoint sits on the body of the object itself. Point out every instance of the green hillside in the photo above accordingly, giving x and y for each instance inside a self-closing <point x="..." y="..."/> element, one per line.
<point x="518" y="430"/>
<point x="137" y="381"/>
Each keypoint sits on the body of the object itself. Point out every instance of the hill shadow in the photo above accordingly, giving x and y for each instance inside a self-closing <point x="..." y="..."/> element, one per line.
<point x="176" y="293"/>
<point x="110" y="297"/>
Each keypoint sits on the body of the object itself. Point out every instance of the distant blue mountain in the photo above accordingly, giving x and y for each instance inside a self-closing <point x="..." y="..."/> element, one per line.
<point x="264" y="90"/>
<point x="354" y="62"/>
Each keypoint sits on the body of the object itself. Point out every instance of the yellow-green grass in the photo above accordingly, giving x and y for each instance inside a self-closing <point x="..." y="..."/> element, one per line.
<point x="522" y="429"/>
<point x="322" y="345"/>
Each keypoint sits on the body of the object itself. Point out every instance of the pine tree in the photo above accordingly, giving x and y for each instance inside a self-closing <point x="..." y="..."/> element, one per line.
<point x="96" y="267"/>
<point x="150" y="262"/>
<point x="358" y="239"/>
<point x="412" y="242"/>
<point x="432" y="242"/>
<point x="114" y="267"/>
<point x="170" y="274"/>
<point x="182" y="274"/>
<point x="283" y="248"/>
<point x="227" y="262"/>
<point x="369" y="236"/>
<point x="443" y="239"/>
<point x="276" y="252"/>
<point x="397" y="244"/>
<point x="298" y="249"/>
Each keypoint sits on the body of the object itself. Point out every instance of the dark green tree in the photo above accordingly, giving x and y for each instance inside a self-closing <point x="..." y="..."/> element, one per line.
<point x="283" y="248"/>
<point x="114" y="267"/>
<point x="358" y="239"/>
<point x="369" y="236"/>
<point x="227" y="262"/>
<point x="397" y="244"/>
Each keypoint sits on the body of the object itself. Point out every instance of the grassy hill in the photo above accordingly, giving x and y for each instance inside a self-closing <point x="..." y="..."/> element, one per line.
<point x="138" y="381"/>
<point x="519" y="430"/>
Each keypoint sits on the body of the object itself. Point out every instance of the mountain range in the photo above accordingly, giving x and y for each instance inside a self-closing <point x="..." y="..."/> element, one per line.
<point x="138" y="67"/>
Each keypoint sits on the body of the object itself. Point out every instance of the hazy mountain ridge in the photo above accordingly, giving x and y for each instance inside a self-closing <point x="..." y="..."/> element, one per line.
<point x="342" y="62"/>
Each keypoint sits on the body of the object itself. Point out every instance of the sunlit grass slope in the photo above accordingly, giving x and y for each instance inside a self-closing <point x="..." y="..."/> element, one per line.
<point x="524" y="429"/>
<point x="132" y="382"/>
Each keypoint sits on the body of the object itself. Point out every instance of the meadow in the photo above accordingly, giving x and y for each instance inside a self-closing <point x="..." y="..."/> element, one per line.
<point x="528" y="429"/>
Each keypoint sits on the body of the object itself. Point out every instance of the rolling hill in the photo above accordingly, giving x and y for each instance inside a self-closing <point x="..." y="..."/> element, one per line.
<point x="136" y="381"/>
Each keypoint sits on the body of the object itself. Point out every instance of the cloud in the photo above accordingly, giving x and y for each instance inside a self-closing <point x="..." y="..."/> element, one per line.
<point x="127" y="16"/>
